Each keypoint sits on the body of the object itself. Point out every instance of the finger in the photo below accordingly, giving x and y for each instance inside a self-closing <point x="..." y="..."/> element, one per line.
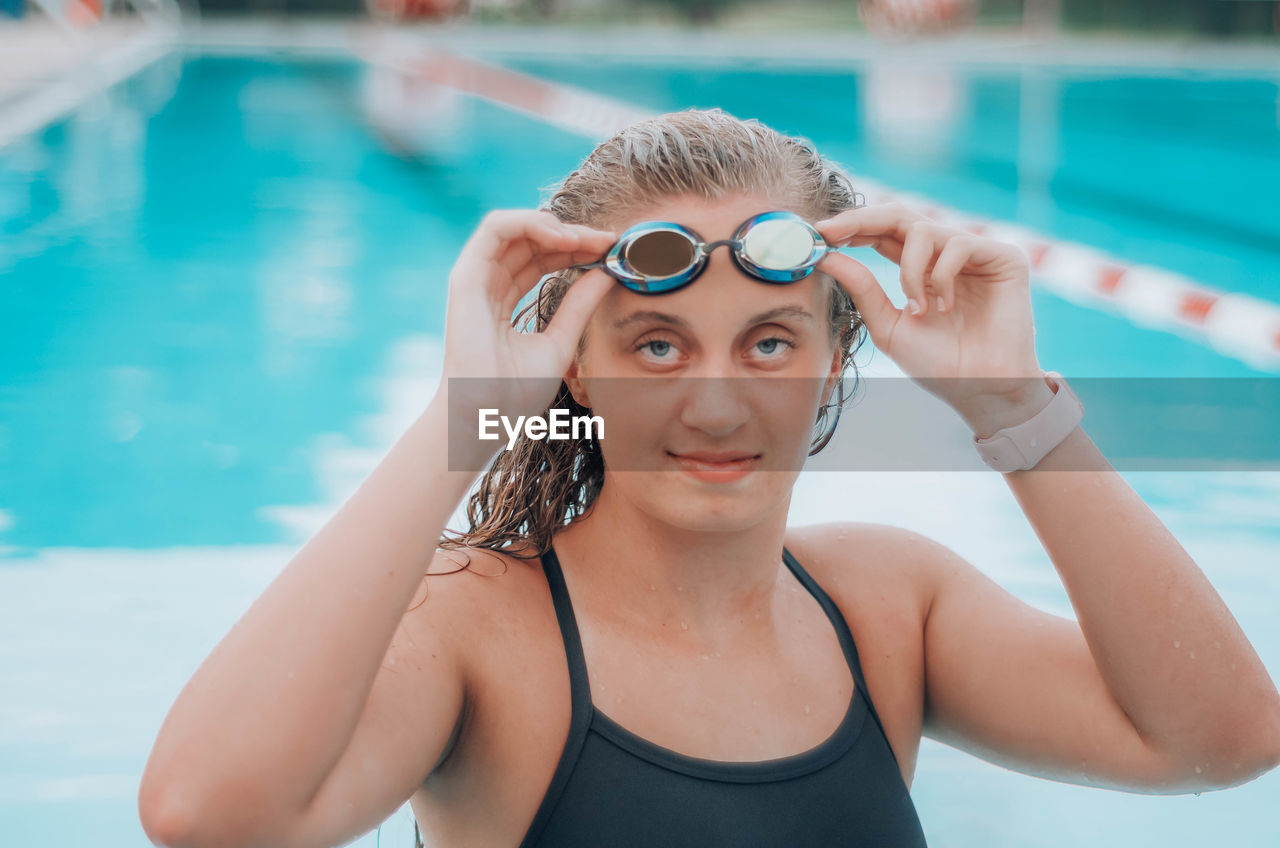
<point x="539" y="266"/>
<point x="867" y="225"/>
<point x="917" y="252"/>
<point x="877" y="311"/>
<point x="515" y="254"/>
<point x="575" y="310"/>
<point x="507" y="281"/>
<point x="557" y="237"/>
<point x="501" y="228"/>
<point x="954" y="256"/>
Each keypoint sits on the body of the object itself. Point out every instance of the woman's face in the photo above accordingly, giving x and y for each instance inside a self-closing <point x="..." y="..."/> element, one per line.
<point x="727" y="365"/>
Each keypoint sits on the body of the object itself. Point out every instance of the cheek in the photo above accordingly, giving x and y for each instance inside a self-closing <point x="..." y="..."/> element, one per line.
<point x="636" y="420"/>
<point x="791" y="400"/>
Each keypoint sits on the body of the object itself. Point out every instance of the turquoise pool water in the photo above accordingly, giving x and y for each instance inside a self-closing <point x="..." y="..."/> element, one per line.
<point x="223" y="297"/>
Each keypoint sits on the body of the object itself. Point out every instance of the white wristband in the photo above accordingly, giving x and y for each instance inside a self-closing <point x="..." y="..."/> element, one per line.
<point x="1022" y="447"/>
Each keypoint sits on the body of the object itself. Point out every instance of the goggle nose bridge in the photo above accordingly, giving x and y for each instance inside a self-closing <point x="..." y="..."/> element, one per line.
<point x="734" y="244"/>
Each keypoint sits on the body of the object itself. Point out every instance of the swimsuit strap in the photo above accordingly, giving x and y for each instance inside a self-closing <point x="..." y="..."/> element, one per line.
<point x="842" y="630"/>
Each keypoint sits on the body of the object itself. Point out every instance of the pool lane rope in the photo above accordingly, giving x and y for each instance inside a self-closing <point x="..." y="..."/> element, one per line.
<point x="1236" y="325"/>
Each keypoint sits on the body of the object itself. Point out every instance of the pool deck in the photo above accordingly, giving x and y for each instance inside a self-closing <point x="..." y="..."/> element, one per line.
<point x="32" y="50"/>
<point x="691" y="45"/>
<point x="35" y="54"/>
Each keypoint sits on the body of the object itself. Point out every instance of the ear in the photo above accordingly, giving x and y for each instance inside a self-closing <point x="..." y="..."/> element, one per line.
<point x="833" y="375"/>
<point x="573" y="380"/>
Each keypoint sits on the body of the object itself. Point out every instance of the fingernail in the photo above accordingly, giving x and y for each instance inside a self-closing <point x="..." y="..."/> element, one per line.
<point x="942" y="304"/>
<point x="913" y="306"/>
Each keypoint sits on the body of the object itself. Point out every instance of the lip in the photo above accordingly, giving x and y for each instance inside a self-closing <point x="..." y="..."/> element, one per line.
<point x="717" y="466"/>
<point x="709" y="457"/>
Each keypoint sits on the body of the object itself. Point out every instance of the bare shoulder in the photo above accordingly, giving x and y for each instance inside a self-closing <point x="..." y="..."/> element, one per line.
<point x="467" y="591"/>
<point x="880" y="577"/>
<point x="471" y="603"/>
<point x="857" y="558"/>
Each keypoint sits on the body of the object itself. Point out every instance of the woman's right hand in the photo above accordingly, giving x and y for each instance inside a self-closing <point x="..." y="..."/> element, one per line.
<point x="509" y="252"/>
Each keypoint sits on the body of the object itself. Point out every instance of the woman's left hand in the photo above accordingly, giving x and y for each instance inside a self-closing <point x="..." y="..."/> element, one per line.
<point x="982" y="332"/>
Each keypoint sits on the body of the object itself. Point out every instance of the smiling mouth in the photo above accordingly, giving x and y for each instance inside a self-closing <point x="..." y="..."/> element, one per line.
<point x="714" y="462"/>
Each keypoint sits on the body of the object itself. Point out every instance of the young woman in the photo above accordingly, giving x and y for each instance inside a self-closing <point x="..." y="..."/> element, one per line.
<point x="637" y="649"/>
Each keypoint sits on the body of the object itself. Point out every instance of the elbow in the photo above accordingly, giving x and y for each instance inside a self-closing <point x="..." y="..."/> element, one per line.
<point x="161" y="820"/>
<point x="1254" y="756"/>
<point x="1271" y="748"/>
<point x="1265" y="745"/>
<point x="171" y="820"/>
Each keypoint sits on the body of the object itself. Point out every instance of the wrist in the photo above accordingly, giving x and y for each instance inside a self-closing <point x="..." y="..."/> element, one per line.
<point x="987" y="414"/>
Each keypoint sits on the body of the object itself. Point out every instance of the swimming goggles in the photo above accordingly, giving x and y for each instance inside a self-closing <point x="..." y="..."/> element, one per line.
<point x="656" y="257"/>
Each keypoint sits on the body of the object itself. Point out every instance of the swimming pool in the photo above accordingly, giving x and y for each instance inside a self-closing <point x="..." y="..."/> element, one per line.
<point x="224" y="299"/>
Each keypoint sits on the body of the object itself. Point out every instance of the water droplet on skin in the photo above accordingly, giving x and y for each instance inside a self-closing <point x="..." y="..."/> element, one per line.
<point x="1193" y="655"/>
<point x="1197" y="769"/>
<point x="684" y="626"/>
<point x="1177" y="644"/>
<point x="652" y="588"/>
<point x="806" y="708"/>
<point x="705" y="657"/>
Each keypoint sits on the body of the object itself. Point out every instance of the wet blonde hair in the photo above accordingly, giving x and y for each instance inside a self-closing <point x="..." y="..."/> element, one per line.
<point x="529" y="492"/>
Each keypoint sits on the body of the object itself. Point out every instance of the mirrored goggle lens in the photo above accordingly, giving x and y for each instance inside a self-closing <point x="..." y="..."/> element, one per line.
<point x="778" y="245"/>
<point x="659" y="254"/>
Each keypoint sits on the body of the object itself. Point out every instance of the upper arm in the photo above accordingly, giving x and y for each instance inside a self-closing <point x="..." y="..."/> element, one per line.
<point x="1019" y="686"/>
<point x="414" y="712"/>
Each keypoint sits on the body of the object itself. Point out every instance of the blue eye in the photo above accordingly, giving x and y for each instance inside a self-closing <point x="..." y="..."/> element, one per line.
<point x="773" y="342"/>
<point x="658" y="348"/>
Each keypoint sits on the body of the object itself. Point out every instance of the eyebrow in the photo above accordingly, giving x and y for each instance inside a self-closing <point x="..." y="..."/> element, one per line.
<point x="789" y="311"/>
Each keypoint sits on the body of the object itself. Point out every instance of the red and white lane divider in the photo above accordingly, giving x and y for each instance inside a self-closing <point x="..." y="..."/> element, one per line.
<point x="1236" y="325"/>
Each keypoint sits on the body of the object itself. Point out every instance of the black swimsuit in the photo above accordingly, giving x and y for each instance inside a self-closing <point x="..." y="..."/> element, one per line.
<point x="613" y="788"/>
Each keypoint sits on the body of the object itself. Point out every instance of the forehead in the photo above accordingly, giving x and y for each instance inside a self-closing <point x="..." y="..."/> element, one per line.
<point x="712" y="219"/>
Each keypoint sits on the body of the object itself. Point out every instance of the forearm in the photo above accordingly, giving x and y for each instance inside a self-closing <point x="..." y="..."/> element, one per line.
<point x="272" y="708"/>
<point x="1166" y="645"/>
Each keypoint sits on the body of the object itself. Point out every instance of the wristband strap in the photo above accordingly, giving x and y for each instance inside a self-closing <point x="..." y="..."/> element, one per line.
<point x="1023" y="446"/>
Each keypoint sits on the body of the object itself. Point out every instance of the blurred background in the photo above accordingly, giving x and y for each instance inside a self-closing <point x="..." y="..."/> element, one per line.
<point x="225" y="233"/>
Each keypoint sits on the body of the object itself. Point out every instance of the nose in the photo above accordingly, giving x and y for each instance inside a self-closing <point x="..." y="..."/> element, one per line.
<point x="715" y="402"/>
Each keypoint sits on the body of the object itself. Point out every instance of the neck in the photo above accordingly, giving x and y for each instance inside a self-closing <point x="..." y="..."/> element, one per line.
<point x="704" y="588"/>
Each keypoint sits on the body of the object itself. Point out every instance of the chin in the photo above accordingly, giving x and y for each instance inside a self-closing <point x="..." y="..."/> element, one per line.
<point x="681" y="501"/>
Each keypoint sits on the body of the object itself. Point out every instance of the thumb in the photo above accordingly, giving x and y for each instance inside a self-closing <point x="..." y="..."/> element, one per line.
<point x="579" y="303"/>
<point x="877" y="311"/>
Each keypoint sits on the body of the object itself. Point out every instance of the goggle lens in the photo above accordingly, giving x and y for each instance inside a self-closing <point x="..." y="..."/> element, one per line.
<point x="778" y="244"/>
<point x="662" y="253"/>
